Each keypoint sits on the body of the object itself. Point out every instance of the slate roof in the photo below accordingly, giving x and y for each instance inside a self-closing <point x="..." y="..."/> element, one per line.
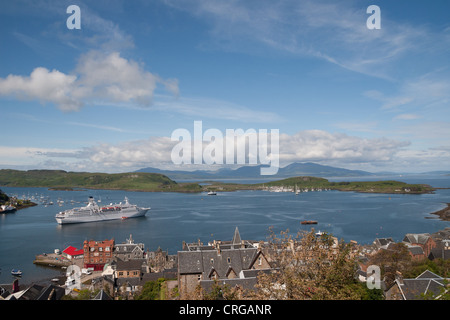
<point x="383" y="241"/>
<point x="39" y="292"/>
<point x="134" y="264"/>
<point x="127" y="247"/>
<point x="439" y="253"/>
<point x="220" y="258"/>
<point x="236" y="237"/>
<point x="415" y="250"/>
<point x="194" y="262"/>
<point x="425" y="283"/>
<point x="421" y="238"/>
<point x="102" y="295"/>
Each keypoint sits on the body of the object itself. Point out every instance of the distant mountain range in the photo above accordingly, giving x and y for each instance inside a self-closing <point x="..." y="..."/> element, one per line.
<point x="253" y="172"/>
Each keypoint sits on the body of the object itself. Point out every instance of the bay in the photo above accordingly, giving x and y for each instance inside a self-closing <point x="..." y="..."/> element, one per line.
<point x="178" y="217"/>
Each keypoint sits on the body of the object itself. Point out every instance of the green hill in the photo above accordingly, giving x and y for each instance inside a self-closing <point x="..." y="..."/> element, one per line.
<point x="139" y="181"/>
<point x="388" y="186"/>
<point x="306" y="182"/>
<point x="143" y="181"/>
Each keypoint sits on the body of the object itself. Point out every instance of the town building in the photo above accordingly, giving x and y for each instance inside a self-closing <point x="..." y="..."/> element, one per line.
<point x="382" y="243"/>
<point x="441" y="251"/>
<point x="424" y="240"/>
<point x="72" y="253"/>
<point x="426" y="284"/>
<point x="129" y="275"/>
<point x="36" y="292"/>
<point x="129" y="250"/>
<point x="97" y="253"/>
<point x="160" y="260"/>
<point x="234" y="263"/>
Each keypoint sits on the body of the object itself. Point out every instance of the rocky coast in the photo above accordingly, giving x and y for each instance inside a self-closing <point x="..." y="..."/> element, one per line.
<point x="443" y="214"/>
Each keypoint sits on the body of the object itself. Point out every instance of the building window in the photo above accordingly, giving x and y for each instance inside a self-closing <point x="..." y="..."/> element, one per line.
<point x="199" y="277"/>
<point x="259" y="261"/>
<point x="107" y="249"/>
<point x="212" y="260"/>
<point x="100" y="249"/>
<point x="229" y="260"/>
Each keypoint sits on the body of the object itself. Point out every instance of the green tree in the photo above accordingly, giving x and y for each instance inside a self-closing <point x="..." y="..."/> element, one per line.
<point x="438" y="266"/>
<point x="3" y="197"/>
<point x="392" y="260"/>
<point x="221" y="292"/>
<point x="84" y="294"/>
<point x="309" y="268"/>
<point x="151" y="290"/>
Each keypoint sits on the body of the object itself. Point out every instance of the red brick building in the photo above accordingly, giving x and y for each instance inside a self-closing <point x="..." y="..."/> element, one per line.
<point x="424" y="240"/>
<point x="97" y="253"/>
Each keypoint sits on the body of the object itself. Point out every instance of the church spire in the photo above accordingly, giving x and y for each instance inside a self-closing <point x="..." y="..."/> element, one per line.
<point x="236" y="237"/>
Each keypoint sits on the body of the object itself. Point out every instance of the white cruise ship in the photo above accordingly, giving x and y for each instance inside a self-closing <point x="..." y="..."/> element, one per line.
<point x="92" y="212"/>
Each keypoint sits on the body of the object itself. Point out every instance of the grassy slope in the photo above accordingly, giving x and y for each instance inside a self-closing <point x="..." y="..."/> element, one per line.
<point x="143" y="181"/>
<point x="123" y="181"/>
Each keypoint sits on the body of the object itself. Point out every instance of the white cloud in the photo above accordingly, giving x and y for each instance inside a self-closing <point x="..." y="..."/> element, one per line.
<point x="318" y="145"/>
<point x="98" y="77"/>
<point x="311" y="145"/>
<point x="42" y="85"/>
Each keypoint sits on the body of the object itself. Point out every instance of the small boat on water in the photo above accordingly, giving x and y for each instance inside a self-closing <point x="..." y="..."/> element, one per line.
<point x="16" y="272"/>
<point x="212" y="193"/>
<point x="308" y="222"/>
<point x="7" y="209"/>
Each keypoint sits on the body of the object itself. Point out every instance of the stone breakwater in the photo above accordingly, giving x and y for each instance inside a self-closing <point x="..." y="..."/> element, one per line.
<point x="52" y="260"/>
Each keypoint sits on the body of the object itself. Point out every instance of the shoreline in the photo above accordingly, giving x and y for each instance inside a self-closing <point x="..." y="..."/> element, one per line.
<point x="444" y="214"/>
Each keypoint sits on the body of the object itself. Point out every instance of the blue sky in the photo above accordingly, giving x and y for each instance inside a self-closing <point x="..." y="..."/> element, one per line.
<point x="107" y="97"/>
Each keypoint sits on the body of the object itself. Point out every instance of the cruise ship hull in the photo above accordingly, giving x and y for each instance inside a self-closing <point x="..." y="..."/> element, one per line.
<point x="93" y="213"/>
<point x="100" y="217"/>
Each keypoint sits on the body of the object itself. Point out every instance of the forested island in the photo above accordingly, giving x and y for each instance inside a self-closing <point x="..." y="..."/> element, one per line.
<point x="155" y="182"/>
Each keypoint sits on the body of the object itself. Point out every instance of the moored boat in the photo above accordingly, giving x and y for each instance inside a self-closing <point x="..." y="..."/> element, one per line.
<point x="16" y="272"/>
<point x="308" y="222"/>
<point x="92" y="212"/>
<point x="7" y="209"/>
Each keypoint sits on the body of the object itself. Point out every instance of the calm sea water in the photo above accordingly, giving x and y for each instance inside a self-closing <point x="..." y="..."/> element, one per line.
<point x="177" y="217"/>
